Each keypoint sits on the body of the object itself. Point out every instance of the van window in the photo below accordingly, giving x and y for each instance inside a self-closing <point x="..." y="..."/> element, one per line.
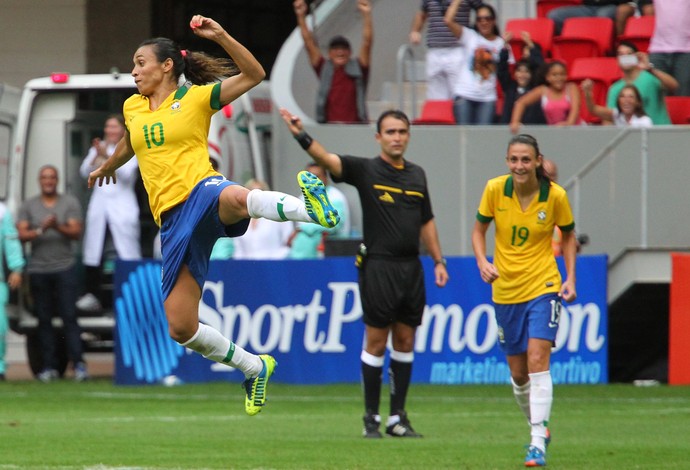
<point x="62" y="126"/>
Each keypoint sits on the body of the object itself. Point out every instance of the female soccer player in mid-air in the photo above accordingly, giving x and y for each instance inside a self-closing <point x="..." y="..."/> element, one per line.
<point x="526" y="284"/>
<point x="167" y="127"/>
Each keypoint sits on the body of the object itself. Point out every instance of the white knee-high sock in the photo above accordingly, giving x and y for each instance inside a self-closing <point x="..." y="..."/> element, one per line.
<point x="276" y="206"/>
<point x="521" y="393"/>
<point x="540" y="400"/>
<point x="212" y="345"/>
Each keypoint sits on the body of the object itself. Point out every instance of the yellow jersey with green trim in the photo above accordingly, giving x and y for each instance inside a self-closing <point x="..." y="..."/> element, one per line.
<point x="171" y="142"/>
<point x="523" y="255"/>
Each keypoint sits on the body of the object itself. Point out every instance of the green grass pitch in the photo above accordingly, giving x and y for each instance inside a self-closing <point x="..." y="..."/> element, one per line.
<point x="98" y="426"/>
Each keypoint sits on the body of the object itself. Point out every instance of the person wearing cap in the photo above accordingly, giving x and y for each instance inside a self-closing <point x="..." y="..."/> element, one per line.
<point x="342" y="78"/>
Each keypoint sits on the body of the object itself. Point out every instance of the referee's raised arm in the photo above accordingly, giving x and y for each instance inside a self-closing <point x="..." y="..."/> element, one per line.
<point x="322" y="157"/>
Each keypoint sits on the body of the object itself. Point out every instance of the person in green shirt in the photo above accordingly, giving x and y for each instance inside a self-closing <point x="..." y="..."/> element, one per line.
<point x="652" y="83"/>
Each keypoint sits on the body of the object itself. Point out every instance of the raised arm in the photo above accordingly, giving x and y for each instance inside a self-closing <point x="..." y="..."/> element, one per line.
<point x="313" y="51"/>
<point x="455" y="27"/>
<point x="251" y="71"/>
<point x="364" y="7"/>
<point x="601" y="112"/>
<point x="668" y="82"/>
<point x="316" y="151"/>
<point x="521" y="104"/>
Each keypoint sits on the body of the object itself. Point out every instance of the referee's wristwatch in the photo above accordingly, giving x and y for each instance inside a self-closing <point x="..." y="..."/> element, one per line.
<point x="442" y="261"/>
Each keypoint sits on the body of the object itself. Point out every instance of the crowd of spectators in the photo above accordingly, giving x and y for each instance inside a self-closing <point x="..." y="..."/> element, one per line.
<point x="474" y="65"/>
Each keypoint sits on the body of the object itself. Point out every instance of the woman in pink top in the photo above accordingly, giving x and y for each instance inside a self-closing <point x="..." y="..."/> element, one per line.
<point x="559" y="98"/>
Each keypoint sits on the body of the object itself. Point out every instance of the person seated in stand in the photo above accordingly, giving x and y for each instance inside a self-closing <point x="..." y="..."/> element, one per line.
<point x="626" y="10"/>
<point x="342" y="78"/>
<point x="652" y="83"/>
<point x="560" y="99"/>
<point x="522" y="80"/>
<point x="589" y="8"/>
<point x="629" y="111"/>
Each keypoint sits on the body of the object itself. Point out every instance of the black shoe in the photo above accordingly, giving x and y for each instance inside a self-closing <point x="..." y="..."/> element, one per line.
<point x="402" y="428"/>
<point x="2" y="377"/>
<point x="371" y="426"/>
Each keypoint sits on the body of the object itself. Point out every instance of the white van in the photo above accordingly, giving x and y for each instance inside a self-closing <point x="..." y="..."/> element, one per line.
<point x="57" y="118"/>
<point x="9" y="107"/>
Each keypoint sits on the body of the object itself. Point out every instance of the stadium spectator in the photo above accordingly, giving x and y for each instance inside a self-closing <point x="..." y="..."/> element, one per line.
<point x="342" y="79"/>
<point x="601" y="8"/>
<point x="629" y="111"/>
<point x="444" y="53"/>
<point x="195" y="205"/>
<point x="112" y="209"/>
<point x="397" y="214"/>
<point x="669" y="49"/>
<point x="264" y="238"/>
<point x="307" y="241"/>
<point x="525" y="206"/>
<point x="521" y="81"/>
<point x="11" y="255"/>
<point x="651" y="82"/>
<point x="632" y="8"/>
<point x="475" y="90"/>
<point x="50" y="222"/>
<point x="559" y="99"/>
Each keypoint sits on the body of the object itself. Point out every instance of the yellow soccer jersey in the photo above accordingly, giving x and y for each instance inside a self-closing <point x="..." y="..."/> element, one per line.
<point x="171" y="143"/>
<point x="524" y="255"/>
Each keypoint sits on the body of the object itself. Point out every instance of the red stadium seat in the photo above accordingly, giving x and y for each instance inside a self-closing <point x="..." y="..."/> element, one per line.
<point x="603" y="71"/>
<point x="639" y="31"/>
<point x="583" y="37"/>
<point x="678" y="109"/>
<point x="545" y="6"/>
<point x="540" y="29"/>
<point x="436" y="112"/>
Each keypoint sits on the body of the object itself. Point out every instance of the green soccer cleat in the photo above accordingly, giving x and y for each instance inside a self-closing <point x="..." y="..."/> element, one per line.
<point x="256" y="386"/>
<point x="316" y="199"/>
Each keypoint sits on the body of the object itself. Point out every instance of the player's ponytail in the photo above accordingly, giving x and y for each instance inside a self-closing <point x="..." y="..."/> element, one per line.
<point x="198" y="68"/>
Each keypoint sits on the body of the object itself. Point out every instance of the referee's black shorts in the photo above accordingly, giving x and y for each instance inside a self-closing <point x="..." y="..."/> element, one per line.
<point x="392" y="290"/>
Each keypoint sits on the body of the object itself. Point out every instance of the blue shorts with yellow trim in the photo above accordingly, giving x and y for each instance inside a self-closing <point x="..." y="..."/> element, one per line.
<point x="190" y="229"/>
<point x="536" y="318"/>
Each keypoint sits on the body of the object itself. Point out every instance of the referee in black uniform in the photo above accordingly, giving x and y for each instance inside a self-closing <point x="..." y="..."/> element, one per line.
<point x="396" y="209"/>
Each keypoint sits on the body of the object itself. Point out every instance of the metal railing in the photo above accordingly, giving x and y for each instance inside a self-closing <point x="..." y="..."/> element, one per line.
<point x="404" y="57"/>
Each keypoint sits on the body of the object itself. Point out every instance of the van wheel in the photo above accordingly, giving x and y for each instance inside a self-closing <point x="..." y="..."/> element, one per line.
<point x="33" y="352"/>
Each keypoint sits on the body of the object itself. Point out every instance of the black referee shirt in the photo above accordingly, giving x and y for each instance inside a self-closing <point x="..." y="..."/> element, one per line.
<point x="395" y="203"/>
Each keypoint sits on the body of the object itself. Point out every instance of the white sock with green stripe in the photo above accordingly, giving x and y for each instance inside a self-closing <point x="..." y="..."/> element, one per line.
<point x="212" y="345"/>
<point x="540" y="400"/>
<point x="274" y="205"/>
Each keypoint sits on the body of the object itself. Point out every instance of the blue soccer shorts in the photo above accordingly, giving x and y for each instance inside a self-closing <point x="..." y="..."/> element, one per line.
<point x="536" y="318"/>
<point x="190" y="229"/>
